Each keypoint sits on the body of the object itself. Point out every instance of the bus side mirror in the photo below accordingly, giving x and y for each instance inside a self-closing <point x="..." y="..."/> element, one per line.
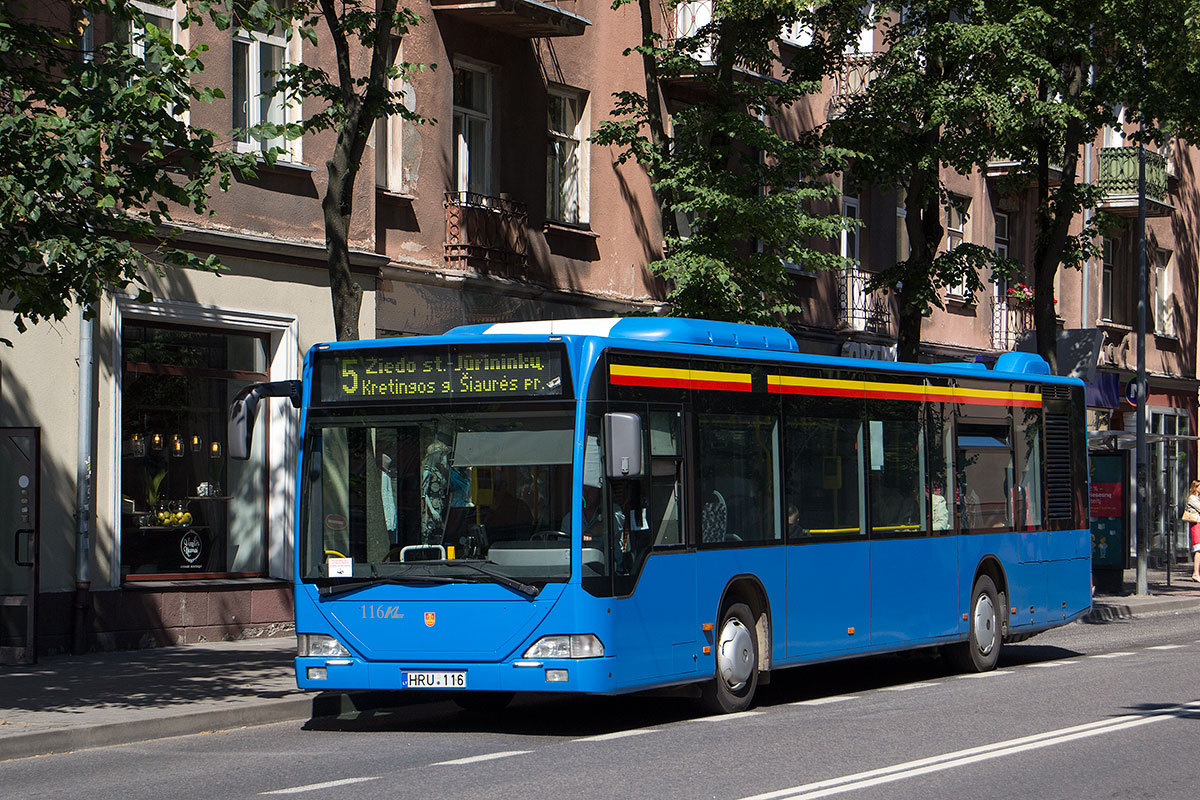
<point x="244" y="409"/>
<point x="623" y="436"/>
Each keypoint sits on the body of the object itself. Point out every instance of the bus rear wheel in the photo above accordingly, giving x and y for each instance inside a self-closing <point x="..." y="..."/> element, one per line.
<point x="736" y="656"/>
<point x="981" y="651"/>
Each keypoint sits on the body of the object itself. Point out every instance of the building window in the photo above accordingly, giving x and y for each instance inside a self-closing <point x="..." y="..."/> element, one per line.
<point x="566" y="156"/>
<point x="186" y="509"/>
<point x="1000" y="247"/>
<point x="389" y="138"/>
<point x="133" y="35"/>
<point x="1107" y="276"/>
<point x="957" y="213"/>
<point x="472" y="129"/>
<point x="849" y="238"/>
<point x="1164" y="300"/>
<point x="258" y="56"/>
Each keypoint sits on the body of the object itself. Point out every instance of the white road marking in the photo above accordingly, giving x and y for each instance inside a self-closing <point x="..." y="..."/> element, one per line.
<point x="991" y="674"/>
<point x="604" y="737"/>
<point x="906" y="687"/>
<point x="1166" y="647"/>
<point x="962" y="758"/>
<point x="477" y="759"/>
<point x="727" y="717"/>
<point x="312" y="787"/>
<point x="1053" y="664"/>
<point x="820" y="701"/>
<point x="1112" y="655"/>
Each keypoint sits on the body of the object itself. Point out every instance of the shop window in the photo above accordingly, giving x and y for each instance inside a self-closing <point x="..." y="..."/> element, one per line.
<point x="186" y="509"/>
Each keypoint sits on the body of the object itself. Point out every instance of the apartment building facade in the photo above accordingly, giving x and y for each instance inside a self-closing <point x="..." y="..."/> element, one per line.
<point x="500" y="210"/>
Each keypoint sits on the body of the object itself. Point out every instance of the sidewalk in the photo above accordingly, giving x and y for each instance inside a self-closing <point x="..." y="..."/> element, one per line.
<point x="75" y="702"/>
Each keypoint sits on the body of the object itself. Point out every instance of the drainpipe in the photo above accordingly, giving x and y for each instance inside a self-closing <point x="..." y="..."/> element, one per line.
<point x="83" y="485"/>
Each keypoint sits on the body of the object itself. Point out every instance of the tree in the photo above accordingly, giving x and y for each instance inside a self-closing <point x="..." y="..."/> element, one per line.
<point x="96" y="157"/>
<point x="352" y="99"/>
<point x="1080" y="64"/>
<point x="734" y="192"/>
<point x="927" y="107"/>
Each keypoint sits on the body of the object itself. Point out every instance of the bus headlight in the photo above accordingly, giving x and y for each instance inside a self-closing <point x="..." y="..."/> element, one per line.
<point x="318" y="645"/>
<point x="577" y="646"/>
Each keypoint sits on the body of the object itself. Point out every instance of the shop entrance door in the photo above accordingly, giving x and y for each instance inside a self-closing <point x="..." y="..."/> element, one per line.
<point x="20" y="467"/>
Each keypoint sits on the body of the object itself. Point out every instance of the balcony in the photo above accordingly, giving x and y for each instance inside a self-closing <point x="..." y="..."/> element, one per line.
<point x="1010" y="319"/>
<point x="1119" y="180"/>
<point x="524" y="19"/>
<point x="488" y="235"/>
<point x="858" y="309"/>
<point x="851" y="79"/>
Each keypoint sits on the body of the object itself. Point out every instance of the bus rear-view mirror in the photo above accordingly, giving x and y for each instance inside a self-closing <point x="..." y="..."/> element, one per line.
<point x="623" y="435"/>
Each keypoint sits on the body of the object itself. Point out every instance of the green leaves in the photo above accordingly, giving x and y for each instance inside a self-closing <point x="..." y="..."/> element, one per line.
<point x="95" y="154"/>
<point x="738" y="205"/>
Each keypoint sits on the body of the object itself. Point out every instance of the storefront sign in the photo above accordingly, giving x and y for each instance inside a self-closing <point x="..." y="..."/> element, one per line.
<point x="437" y="373"/>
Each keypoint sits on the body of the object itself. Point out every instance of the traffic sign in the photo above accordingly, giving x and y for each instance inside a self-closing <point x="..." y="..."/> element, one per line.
<point x="1133" y="391"/>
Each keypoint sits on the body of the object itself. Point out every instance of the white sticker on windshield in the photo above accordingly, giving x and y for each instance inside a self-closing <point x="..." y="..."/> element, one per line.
<point x="341" y="567"/>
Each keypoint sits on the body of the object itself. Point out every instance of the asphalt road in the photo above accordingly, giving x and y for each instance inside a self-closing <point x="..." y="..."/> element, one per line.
<point x="1093" y="711"/>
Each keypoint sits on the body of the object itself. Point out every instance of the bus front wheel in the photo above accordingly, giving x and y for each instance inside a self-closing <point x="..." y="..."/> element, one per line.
<point x="736" y="655"/>
<point x="981" y="651"/>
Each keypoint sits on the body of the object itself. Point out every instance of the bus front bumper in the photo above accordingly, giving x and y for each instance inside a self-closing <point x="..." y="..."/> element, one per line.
<point x="522" y="675"/>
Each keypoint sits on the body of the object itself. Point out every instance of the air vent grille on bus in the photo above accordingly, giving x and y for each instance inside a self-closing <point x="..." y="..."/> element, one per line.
<point x="1058" y="468"/>
<point x="1057" y="392"/>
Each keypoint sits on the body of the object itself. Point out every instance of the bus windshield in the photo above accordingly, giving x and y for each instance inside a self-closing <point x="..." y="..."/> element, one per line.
<point x="424" y="496"/>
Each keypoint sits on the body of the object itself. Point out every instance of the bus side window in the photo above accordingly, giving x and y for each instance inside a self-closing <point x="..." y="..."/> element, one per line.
<point x="665" y="473"/>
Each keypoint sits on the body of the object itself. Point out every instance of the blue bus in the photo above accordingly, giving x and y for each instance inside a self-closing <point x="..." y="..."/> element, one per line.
<point x="616" y="505"/>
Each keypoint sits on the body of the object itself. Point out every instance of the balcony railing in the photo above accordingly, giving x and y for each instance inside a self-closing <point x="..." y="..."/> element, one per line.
<point x="1119" y="172"/>
<point x="486" y="234"/>
<point x="1010" y="318"/>
<point x="851" y="79"/>
<point x="858" y="309"/>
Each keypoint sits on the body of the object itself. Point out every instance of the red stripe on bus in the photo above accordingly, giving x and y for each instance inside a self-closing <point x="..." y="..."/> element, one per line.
<point x="726" y="386"/>
<point x="660" y="383"/>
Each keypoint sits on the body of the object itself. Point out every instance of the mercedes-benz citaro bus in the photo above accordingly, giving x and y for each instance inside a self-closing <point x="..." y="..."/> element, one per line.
<point x="615" y="505"/>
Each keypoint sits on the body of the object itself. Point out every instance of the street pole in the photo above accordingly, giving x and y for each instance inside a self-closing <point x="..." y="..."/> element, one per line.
<point x="1142" y="496"/>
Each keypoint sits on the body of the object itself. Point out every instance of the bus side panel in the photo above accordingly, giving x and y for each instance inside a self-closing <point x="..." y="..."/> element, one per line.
<point x="914" y="589"/>
<point x="1026" y="580"/>
<point x="828" y="595"/>
<point x="656" y="630"/>
<point x="1068" y="583"/>
<point x="717" y="567"/>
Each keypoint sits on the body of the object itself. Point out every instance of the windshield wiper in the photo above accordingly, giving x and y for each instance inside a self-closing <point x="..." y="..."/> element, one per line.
<point x="526" y="589"/>
<point x="343" y="588"/>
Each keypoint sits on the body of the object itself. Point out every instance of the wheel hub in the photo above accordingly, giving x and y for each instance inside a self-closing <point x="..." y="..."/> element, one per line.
<point x="985" y="624"/>
<point x="735" y="654"/>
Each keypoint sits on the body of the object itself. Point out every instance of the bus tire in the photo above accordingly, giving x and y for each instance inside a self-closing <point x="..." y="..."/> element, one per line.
<point x="981" y="651"/>
<point x="483" y="702"/>
<point x="736" y="663"/>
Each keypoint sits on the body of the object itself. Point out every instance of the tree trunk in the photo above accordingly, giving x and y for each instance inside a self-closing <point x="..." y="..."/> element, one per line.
<point x="337" y="206"/>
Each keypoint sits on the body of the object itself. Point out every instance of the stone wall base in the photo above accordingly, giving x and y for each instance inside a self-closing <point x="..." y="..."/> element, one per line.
<point x="168" y="613"/>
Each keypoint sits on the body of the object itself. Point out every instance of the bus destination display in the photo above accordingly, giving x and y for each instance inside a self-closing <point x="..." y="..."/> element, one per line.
<point x="439" y="373"/>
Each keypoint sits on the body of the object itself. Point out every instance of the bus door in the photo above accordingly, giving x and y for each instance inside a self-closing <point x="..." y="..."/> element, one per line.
<point x="828" y="555"/>
<point x="655" y="622"/>
<point x="19" y="469"/>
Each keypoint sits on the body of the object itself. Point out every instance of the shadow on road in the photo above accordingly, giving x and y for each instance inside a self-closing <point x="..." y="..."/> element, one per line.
<point x="571" y="716"/>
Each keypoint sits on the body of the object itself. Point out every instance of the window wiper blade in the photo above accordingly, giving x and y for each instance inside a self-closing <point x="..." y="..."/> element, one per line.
<point x="343" y="588"/>
<point x="526" y="589"/>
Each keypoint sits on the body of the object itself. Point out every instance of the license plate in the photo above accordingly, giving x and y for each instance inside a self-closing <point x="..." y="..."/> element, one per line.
<point x="433" y="680"/>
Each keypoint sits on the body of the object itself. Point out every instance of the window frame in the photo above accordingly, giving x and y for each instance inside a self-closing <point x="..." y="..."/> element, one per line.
<point x="958" y="210"/>
<point x="460" y="149"/>
<point x="1108" y="269"/>
<point x="577" y="136"/>
<point x="254" y="42"/>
